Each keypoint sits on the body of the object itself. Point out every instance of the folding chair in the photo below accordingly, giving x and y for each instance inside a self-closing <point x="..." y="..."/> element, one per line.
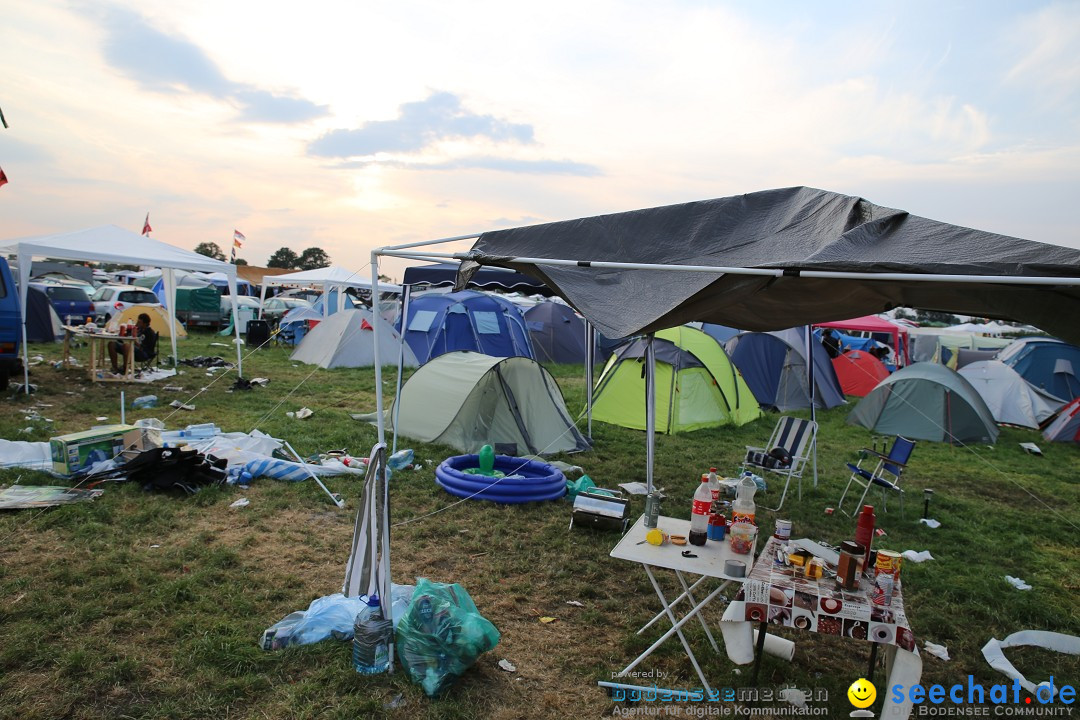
<point x="886" y="474"/>
<point x="796" y="437"/>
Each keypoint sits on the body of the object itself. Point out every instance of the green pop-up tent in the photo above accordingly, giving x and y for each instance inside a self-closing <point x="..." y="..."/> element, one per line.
<point x="927" y="401"/>
<point x="697" y="385"/>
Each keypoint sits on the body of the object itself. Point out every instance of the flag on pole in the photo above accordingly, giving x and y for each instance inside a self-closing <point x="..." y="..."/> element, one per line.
<point x="3" y="177"/>
<point x="233" y="258"/>
<point x="238" y="238"/>
<point x="146" y="229"/>
<point x="3" y="119"/>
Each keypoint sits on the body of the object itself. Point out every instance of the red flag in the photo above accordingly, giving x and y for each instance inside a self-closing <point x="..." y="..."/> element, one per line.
<point x="3" y="177"/>
<point x="365" y="325"/>
<point x="146" y="229"/>
<point x="238" y="238"/>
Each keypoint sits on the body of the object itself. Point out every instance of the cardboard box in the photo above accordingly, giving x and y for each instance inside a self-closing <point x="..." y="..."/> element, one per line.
<point x="139" y="439"/>
<point x="78" y="451"/>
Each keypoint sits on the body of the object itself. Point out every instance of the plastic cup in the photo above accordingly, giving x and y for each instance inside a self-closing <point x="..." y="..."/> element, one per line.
<point x="742" y="536"/>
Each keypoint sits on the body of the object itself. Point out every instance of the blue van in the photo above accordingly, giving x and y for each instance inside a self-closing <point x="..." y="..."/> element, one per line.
<point x="71" y="303"/>
<point x="10" y="326"/>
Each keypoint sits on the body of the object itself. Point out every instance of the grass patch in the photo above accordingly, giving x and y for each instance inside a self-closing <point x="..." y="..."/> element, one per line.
<point x="147" y="605"/>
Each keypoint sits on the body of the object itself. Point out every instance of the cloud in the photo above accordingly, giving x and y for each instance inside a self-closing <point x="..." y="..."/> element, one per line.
<point x="419" y="125"/>
<point x="163" y="63"/>
<point x="510" y="165"/>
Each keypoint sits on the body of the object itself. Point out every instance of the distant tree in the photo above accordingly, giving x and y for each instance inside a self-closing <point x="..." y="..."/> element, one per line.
<point x="934" y="317"/>
<point x="283" y="258"/>
<point x="240" y="261"/>
<point x="211" y="250"/>
<point x="313" y="258"/>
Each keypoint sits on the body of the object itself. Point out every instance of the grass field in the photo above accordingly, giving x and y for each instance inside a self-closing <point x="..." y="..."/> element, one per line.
<point x="150" y="606"/>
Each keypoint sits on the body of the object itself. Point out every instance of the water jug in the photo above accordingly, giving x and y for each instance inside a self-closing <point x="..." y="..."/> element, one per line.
<point x="744" y="509"/>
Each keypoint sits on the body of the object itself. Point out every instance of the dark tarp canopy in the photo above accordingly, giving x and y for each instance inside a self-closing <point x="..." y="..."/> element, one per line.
<point x="794" y="230"/>
<point x="486" y="279"/>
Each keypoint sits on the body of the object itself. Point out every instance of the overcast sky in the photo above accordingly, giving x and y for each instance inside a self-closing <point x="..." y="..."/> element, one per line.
<point x="349" y="125"/>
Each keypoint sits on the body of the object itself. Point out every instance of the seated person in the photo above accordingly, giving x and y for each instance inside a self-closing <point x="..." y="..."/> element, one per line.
<point x="145" y="344"/>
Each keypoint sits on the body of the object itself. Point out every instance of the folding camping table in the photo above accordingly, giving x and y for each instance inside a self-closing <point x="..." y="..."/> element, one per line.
<point x="709" y="563"/>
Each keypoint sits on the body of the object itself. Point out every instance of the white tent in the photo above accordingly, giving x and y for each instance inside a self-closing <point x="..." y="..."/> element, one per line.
<point x="346" y="339"/>
<point x="1012" y="399"/>
<point x="327" y="278"/>
<point x="112" y="244"/>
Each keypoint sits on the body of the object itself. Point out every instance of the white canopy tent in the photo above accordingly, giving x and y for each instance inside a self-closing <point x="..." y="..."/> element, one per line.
<point x="113" y="244"/>
<point x="328" y="278"/>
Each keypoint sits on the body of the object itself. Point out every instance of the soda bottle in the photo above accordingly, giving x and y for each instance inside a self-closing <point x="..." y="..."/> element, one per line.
<point x="699" y="516"/>
<point x="714" y="488"/>
<point x="372" y="635"/>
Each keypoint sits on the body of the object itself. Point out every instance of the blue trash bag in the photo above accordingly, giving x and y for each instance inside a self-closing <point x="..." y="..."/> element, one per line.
<point x="329" y="616"/>
<point x="441" y="635"/>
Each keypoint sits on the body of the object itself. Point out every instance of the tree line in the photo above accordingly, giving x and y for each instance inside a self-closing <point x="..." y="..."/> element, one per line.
<point x="285" y="258"/>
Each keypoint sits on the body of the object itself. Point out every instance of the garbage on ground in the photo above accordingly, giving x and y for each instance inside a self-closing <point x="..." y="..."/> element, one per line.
<point x="167" y="469"/>
<point x="20" y="497"/>
<point x="917" y="557"/>
<point x="242" y="502"/>
<point x="144" y="401"/>
<point x="635" y="488"/>
<point x="25" y="454"/>
<point x="328" y="616"/>
<point x="939" y="651"/>
<point x="80" y="451"/>
<point x="203" y="361"/>
<point x="1017" y="583"/>
<point x="793" y="696"/>
<point x="400" y="460"/>
<point x="441" y="635"/>
<point x="260" y="381"/>
<point x="1058" y="642"/>
<point x="575" y="603"/>
<point x="930" y="523"/>
<point x="1031" y="448"/>
<point x="181" y="406"/>
<point x="508" y="666"/>
<point x="173" y="388"/>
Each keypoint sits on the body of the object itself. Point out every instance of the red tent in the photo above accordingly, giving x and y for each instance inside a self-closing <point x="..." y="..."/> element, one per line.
<point x="1066" y="427"/>
<point x="874" y="324"/>
<point x="859" y="372"/>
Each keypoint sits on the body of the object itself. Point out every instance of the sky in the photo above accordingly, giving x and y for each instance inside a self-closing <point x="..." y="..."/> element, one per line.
<point x="350" y="125"/>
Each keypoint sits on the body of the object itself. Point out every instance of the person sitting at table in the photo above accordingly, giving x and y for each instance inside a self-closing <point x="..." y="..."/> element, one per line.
<point x="145" y="344"/>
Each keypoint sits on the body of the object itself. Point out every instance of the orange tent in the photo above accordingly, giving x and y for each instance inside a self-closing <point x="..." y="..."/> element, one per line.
<point x="859" y="372"/>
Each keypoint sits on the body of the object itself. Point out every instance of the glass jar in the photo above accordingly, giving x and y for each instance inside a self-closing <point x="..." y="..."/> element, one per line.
<point x="847" y="569"/>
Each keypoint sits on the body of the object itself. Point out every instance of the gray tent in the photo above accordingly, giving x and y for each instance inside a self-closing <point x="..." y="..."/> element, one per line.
<point x="467" y="400"/>
<point x="1012" y="400"/>
<point x="926" y="401"/>
<point x="345" y="339"/>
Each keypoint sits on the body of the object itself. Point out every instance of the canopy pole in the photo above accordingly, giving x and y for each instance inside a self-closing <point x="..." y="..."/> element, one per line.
<point x="233" y="289"/>
<point x="406" y="293"/>
<point x="24" y="295"/>
<point x="808" y="338"/>
<point x="169" y="277"/>
<point x="588" y="374"/>
<point x="650" y="410"/>
<point x="378" y="366"/>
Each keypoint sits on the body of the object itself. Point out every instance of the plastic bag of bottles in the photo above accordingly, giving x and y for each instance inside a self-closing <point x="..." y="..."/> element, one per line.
<point x="441" y="635"/>
<point x="329" y="616"/>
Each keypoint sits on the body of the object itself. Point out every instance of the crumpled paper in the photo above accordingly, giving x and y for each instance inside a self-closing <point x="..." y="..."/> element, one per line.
<point x="917" y="557"/>
<point x="938" y="651"/>
<point x="930" y="523"/>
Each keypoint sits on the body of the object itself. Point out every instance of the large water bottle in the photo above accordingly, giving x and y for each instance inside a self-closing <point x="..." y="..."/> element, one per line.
<point x="372" y="635"/>
<point x="699" y="516"/>
<point x="744" y="509"/>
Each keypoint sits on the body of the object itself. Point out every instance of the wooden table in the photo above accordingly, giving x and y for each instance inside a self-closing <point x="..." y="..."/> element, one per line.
<point x="99" y="344"/>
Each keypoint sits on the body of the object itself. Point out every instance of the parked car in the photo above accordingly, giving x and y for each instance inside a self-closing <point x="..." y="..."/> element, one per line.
<point x="275" y="307"/>
<point x="112" y="299"/>
<point x="242" y="301"/>
<point x="70" y="302"/>
<point x="10" y="326"/>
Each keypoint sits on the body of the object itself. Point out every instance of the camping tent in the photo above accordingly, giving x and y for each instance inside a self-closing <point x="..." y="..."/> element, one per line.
<point x="859" y="372"/>
<point x="880" y="329"/>
<point x="774" y="366"/>
<point x="159" y="320"/>
<point x="558" y="334"/>
<point x="926" y="401"/>
<point x="113" y="244"/>
<point x="327" y="278"/>
<point x="1011" y="399"/>
<point x="439" y="323"/>
<point x="697" y="385"/>
<point x="942" y="346"/>
<point x="466" y="400"/>
<point x="345" y="339"/>
<point x="1050" y="365"/>
<point x="1066" y="426"/>
<point x="42" y="322"/>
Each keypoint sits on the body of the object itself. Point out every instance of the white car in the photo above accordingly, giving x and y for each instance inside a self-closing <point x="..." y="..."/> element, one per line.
<point x="112" y="300"/>
<point x="242" y="301"/>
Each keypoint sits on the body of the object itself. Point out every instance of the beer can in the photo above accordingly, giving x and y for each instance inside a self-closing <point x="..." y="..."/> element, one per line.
<point x="652" y="509"/>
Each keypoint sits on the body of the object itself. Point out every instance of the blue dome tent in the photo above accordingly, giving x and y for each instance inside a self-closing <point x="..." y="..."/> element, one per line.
<point x="440" y="323"/>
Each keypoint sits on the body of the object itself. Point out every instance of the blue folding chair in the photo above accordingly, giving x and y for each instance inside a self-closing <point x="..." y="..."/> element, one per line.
<point x="886" y="473"/>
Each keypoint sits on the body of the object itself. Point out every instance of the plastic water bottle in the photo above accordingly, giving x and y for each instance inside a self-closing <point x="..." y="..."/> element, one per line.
<point x="372" y="635"/>
<point x="744" y="509"/>
<point x="714" y="488"/>
<point x="400" y="460"/>
<point x="699" y="516"/>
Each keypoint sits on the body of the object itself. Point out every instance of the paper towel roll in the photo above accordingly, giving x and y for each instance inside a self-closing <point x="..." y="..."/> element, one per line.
<point x="777" y="646"/>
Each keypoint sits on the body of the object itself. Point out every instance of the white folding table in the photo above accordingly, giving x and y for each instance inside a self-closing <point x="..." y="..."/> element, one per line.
<point x="708" y="563"/>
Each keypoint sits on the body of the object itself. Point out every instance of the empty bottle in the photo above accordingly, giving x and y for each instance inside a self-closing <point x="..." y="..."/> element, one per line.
<point x="714" y="488"/>
<point x="372" y="636"/>
<point x="699" y="516"/>
<point x="743" y="509"/>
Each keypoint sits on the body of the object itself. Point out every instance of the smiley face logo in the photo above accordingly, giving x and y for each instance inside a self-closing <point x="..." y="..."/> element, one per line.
<point x="862" y="693"/>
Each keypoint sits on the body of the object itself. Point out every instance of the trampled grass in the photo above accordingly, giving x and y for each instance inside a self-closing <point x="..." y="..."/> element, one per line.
<point x="150" y="605"/>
